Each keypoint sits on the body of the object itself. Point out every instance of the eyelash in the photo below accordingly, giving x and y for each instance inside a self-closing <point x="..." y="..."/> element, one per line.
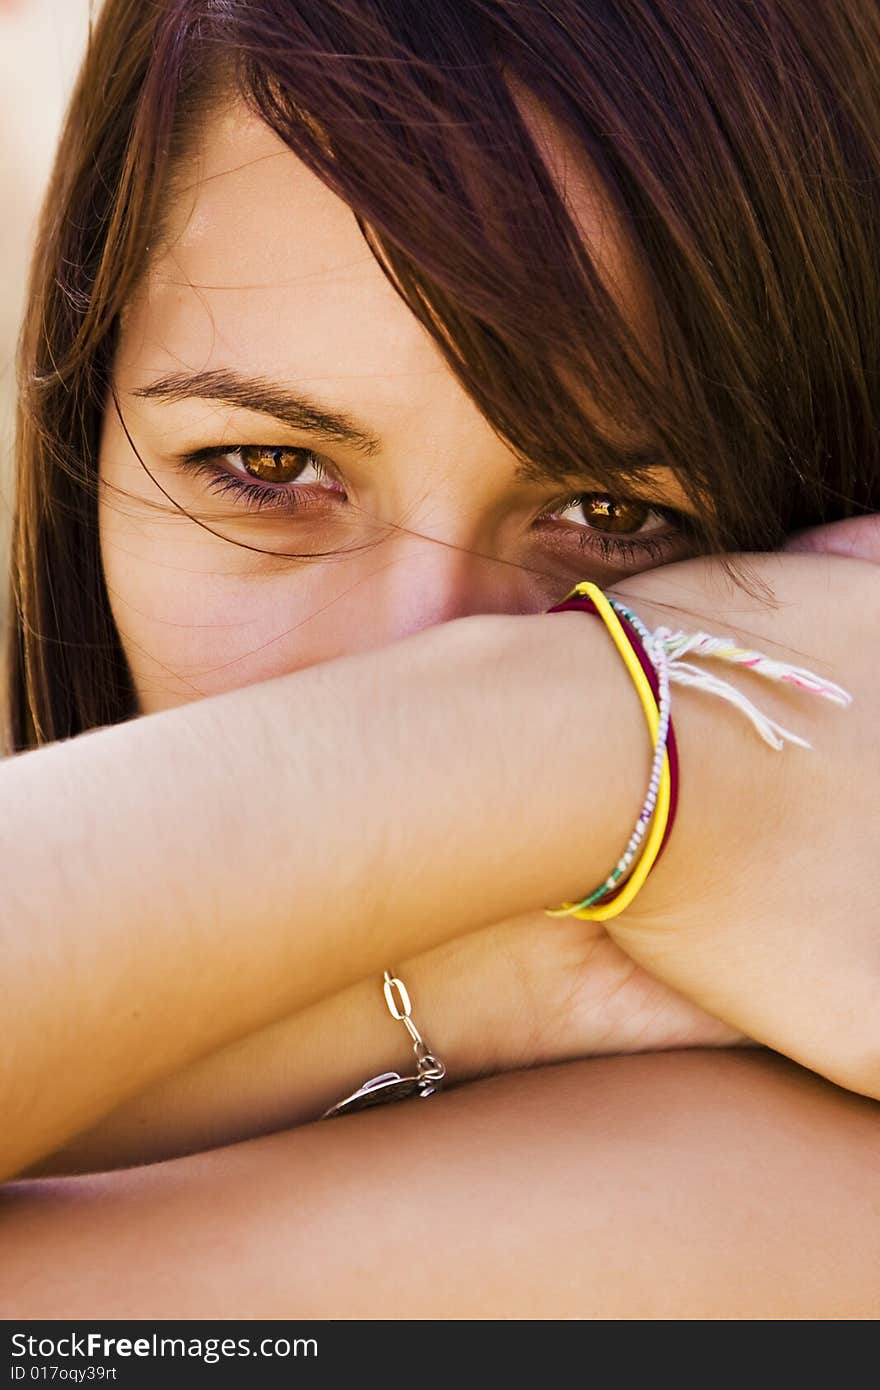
<point x="612" y="549"/>
<point x="632" y="550"/>
<point x="257" y="496"/>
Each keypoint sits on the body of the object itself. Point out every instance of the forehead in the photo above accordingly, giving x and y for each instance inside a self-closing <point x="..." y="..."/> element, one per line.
<point x="262" y="267"/>
<point x="256" y="256"/>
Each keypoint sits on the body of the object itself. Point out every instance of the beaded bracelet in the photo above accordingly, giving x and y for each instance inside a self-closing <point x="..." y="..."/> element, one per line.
<point x="612" y="896"/>
<point x="638" y="636"/>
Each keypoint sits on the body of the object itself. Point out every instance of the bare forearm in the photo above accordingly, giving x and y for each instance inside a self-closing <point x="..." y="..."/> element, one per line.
<point x="622" y="1188"/>
<point x="520" y="994"/>
<point x="143" y="943"/>
<point x="289" y="1072"/>
<point x="175" y="883"/>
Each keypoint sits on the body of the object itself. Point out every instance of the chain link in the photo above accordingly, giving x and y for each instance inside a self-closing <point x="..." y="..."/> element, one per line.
<point x="430" y="1069"/>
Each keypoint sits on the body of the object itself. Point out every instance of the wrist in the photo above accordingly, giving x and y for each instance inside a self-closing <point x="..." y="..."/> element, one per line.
<point x="475" y="998"/>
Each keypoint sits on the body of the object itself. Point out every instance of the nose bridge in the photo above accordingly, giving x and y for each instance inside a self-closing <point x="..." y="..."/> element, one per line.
<point x="412" y="581"/>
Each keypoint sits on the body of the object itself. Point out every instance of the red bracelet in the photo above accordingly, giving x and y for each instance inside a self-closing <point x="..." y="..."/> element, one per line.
<point x="582" y="604"/>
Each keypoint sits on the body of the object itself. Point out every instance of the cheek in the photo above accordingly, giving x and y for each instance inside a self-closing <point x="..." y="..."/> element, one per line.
<point x="199" y="616"/>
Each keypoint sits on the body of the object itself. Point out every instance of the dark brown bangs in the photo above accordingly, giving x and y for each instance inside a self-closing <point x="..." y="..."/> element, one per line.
<point x="472" y="230"/>
<point x="727" y="143"/>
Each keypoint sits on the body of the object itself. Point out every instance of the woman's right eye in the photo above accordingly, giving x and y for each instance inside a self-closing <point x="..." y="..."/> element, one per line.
<point x="273" y="464"/>
<point x="261" y="476"/>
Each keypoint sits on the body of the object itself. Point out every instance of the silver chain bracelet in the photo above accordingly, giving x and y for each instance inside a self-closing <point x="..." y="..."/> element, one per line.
<point x="390" y="1085"/>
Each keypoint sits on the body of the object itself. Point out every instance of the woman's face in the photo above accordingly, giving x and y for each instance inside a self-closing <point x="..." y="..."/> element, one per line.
<point x="265" y="331"/>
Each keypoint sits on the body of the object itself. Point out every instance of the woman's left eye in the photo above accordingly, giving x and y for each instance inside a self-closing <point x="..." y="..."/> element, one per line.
<point x="622" y="528"/>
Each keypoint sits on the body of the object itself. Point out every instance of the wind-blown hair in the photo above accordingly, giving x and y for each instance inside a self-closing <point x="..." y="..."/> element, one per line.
<point x="736" y="147"/>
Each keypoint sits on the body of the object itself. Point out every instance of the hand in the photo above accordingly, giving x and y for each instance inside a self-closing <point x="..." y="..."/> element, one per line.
<point x="607" y="1003"/>
<point x="576" y="994"/>
<point x="763" y="910"/>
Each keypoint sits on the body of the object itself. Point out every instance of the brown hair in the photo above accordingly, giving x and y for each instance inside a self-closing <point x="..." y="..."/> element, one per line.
<point x="737" y="144"/>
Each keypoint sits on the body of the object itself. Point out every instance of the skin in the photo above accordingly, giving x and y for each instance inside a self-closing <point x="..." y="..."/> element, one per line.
<point x="442" y="525"/>
<point x="449" y="528"/>
<point x="435" y="524"/>
<point x="444" y="528"/>
<point x="672" y="1185"/>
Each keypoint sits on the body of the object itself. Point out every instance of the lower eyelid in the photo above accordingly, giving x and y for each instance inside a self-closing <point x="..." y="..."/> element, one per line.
<point x="627" y="552"/>
<point x="249" y="491"/>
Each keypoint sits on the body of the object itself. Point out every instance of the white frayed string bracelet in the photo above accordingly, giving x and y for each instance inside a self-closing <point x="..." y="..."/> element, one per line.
<point x="675" y="645"/>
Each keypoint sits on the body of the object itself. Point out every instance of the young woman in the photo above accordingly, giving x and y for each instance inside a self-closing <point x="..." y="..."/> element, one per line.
<point x="357" y="335"/>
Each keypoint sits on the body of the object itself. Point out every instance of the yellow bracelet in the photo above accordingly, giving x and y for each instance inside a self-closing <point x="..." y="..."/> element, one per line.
<point x="600" y="912"/>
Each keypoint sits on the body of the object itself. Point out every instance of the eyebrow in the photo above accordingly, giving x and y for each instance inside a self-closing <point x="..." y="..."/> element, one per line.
<point x="300" y="412"/>
<point x="264" y="397"/>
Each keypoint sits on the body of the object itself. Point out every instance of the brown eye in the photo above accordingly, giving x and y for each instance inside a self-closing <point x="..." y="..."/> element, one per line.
<point x="606" y="513"/>
<point x="275" y="465"/>
<point x="626" y="532"/>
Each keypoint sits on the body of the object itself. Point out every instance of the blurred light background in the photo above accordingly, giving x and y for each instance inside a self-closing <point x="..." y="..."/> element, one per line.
<point x="41" y="44"/>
